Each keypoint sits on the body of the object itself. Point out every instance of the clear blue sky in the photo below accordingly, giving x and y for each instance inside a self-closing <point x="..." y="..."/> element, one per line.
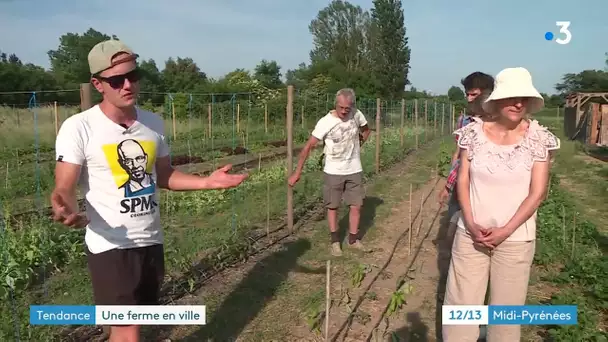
<point x="448" y="38"/>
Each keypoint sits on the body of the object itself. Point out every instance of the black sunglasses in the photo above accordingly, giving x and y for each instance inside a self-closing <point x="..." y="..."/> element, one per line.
<point x="118" y="81"/>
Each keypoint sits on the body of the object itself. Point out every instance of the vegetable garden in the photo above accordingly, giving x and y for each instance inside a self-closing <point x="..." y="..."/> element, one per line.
<point x="205" y="231"/>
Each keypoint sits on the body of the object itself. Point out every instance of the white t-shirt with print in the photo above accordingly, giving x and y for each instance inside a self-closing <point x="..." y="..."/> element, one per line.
<point x="118" y="177"/>
<point x="341" y="137"/>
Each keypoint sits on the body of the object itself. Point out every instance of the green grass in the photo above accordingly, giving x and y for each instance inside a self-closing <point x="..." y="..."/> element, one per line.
<point x="571" y="258"/>
<point x="46" y="264"/>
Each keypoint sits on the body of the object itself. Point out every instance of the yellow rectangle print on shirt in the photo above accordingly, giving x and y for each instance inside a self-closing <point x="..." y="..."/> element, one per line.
<point x="131" y="162"/>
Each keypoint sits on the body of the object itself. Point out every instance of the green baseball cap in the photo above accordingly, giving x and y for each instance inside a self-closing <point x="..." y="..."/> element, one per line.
<point x="100" y="56"/>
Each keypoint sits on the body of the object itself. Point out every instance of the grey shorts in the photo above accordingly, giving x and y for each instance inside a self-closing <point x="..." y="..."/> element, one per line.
<point x="343" y="187"/>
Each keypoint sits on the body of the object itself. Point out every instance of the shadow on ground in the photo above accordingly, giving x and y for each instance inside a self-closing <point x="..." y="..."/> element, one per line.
<point x="368" y="215"/>
<point x="253" y="293"/>
<point x="443" y="241"/>
<point x="414" y="331"/>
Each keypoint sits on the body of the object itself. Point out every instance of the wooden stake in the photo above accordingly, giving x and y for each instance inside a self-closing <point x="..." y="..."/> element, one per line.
<point x="6" y="181"/>
<point x="401" y="128"/>
<point x="238" y="117"/>
<point x="416" y="120"/>
<point x="573" y="235"/>
<point x="453" y="117"/>
<point x="268" y="209"/>
<point x="378" y="135"/>
<point x="420" y="213"/>
<point x="266" y="117"/>
<point x="209" y="111"/>
<point x="173" y="119"/>
<point x="303" y="121"/>
<point x="411" y="225"/>
<point x="86" y="93"/>
<point x="56" y="117"/>
<point x="564" y="224"/>
<point x="442" y="118"/>
<point x="289" y="127"/>
<point x="327" y="298"/>
<point x="434" y="117"/>
<point x="426" y="120"/>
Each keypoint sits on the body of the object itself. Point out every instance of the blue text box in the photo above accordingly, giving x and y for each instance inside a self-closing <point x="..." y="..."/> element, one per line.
<point x="532" y="314"/>
<point x="62" y="314"/>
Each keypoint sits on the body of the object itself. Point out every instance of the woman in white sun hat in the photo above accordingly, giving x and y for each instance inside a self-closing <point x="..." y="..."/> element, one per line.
<point x="503" y="179"/>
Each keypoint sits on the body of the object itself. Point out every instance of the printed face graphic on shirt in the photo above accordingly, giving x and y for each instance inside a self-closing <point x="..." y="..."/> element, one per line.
<point x="131" y="163"/>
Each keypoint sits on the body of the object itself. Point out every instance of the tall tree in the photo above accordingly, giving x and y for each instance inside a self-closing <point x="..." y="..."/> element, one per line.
<point x="70" y="61"/>
<point x="584" y="81"/>
<point x="390" y="54"/>
<point x="455" y="94"/>
<point x="151" y="82"/>
<point x="268" y="73"/>
<point x="340" y="34"/>
<point x="182" y="74"/>
<point x="15" y="76"/>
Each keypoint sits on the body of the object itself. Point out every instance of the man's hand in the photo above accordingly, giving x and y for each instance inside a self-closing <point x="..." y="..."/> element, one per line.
<point x="293" y="179"/>
<point x="444" y="195"/>
<point x="66" y="212"/>
<point x="223" y="180"/>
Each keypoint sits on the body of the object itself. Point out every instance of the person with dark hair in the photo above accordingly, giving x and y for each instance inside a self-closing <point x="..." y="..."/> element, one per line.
<point x="474" y="85"/>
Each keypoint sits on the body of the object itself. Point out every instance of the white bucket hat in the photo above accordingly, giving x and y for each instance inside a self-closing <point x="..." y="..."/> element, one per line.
<point x="515" y="82"/>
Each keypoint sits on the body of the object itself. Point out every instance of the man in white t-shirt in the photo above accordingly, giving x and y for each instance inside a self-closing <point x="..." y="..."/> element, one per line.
<point x="343" y="130"/>
<point x="118" y="155"/>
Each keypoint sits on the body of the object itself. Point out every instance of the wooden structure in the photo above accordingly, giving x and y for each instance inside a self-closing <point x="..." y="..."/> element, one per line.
<point x="586" y="118"/>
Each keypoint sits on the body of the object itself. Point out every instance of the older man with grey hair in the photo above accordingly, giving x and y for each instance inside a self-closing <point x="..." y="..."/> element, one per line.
<point x="343" y="130"/>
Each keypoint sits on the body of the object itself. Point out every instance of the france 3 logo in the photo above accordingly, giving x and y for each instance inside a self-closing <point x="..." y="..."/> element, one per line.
<point x="564" y="30"/>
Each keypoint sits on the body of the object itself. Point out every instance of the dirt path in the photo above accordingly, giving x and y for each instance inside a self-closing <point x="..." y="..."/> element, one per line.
<point x="279" y="295"/>
<point x="397" y="272"/>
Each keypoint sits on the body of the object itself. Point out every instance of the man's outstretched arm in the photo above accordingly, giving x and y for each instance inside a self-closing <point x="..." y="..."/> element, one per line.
<point x="172" y="179"/>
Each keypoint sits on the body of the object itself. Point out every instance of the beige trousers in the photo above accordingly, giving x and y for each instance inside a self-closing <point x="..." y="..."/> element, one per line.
<point x="508" y="270"/>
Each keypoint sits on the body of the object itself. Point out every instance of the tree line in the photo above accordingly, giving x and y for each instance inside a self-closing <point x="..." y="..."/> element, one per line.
<point x="365" y="50"/>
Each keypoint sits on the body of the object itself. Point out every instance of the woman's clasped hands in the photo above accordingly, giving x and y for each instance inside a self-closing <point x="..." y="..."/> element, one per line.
<point x="488" y="237"/>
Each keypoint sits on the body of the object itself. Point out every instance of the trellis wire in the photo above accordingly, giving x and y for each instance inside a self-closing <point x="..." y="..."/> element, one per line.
<point x="33" y="105"/>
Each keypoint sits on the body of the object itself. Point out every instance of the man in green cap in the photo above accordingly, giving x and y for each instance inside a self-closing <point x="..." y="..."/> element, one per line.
<point x="118" y="155"/>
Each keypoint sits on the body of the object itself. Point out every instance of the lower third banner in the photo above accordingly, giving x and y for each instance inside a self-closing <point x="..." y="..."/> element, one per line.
<point x="117" y="315"/>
